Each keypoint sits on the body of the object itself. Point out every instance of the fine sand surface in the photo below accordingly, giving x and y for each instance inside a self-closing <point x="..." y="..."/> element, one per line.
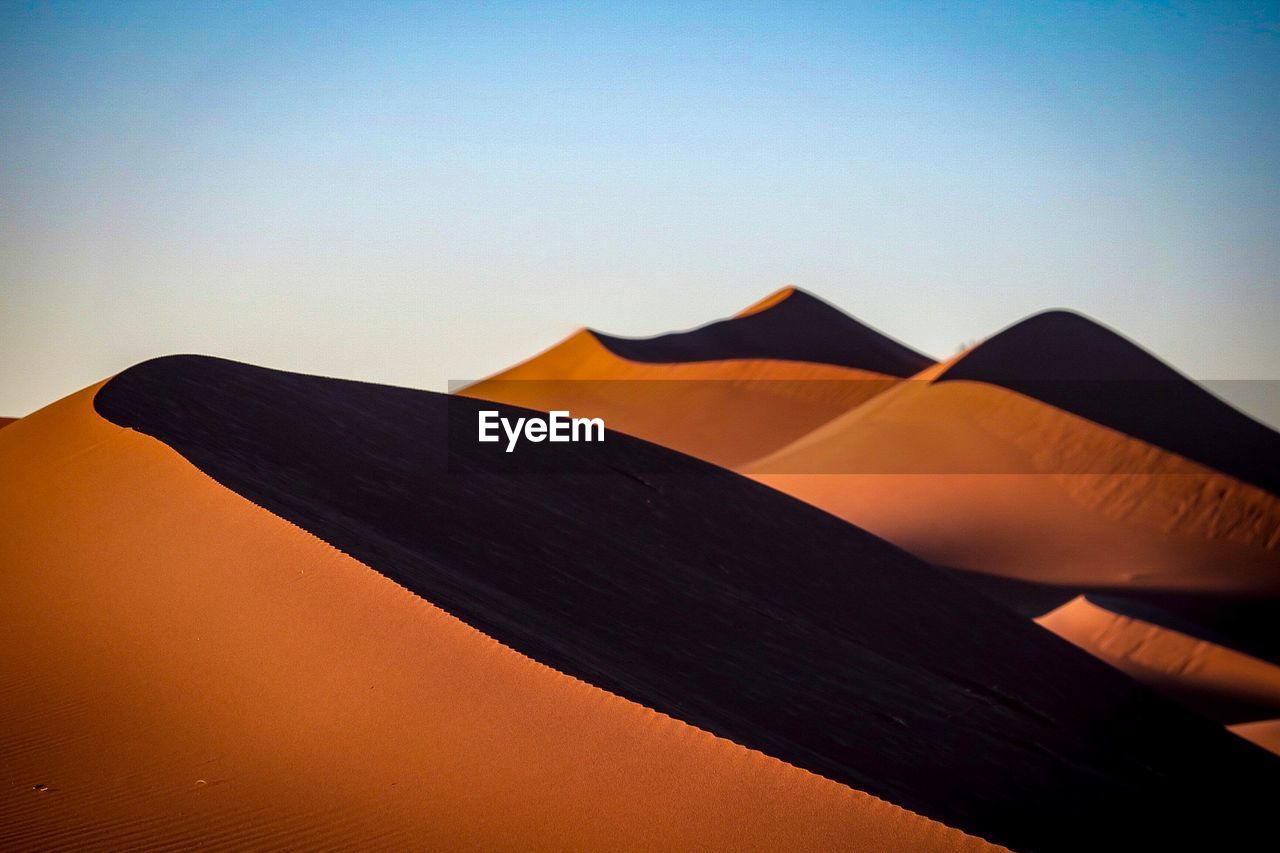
<point x="4" y="422"/>
<point x="728" y="392"/>
<point x="180" y="667"/>
<point x="691" y="591"/>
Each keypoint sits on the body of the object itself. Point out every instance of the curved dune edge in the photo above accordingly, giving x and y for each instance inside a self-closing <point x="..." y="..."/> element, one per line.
<point x="780" y="295"/>
<point x="4" y="422"/>
<point x="697" y="408"/>
<point x="259" y="687"/>
<point x="977" y="477"/>
<point x="1225" y="684"/>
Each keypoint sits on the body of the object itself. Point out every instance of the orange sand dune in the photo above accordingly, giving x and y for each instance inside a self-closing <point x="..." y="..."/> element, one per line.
<point x="974" y="476"/>
<point x="4" y="422"/>
<point x="258" y="688"/>
<point x="1224" y="684"/>
<point x="727" y="411"/>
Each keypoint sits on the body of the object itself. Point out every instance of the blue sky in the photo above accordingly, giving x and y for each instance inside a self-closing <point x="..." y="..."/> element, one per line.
<point x="412" y="192"/>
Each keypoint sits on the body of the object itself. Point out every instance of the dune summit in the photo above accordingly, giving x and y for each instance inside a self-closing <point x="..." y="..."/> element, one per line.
<point x="1076" y="365"/>
<point x="790" y="325"/>
<point x="727" y="392"/>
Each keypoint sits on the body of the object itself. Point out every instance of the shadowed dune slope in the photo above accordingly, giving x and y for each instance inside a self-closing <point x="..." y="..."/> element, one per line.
<point x="181" y="668"/>
<point x="4" y="422"/>
<point x="692" y="591"/>
<point x="729" y="392"/>
<point x="1079" y="366"/>
<point x="790" y="325"/>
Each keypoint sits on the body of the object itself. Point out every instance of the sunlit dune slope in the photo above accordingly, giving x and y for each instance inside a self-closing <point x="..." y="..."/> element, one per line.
<point x="1220" y="682"/>
<point x="671" y="584"/>
<point x="180" y="667"/>
<point x="967" y="472"/>
<point x="727" y="392"/>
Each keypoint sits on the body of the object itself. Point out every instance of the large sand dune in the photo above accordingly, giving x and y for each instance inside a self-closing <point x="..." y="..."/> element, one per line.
<point x="289" y="616"/>
<point x="180" y="667"/>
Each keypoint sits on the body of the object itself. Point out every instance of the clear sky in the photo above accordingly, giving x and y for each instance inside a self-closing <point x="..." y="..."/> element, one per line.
<point x="418" y="192"/>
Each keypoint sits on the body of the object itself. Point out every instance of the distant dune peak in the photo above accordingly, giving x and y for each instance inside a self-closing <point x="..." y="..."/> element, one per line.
<point x="1058" y="345"/>
<point x="788" y="325"/>
<point x="769" y="301"/>
<point x="1080" y="366"/>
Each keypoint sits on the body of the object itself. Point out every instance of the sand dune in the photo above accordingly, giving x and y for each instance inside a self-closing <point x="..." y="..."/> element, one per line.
<point x="181" y="667"/>
<point x="641" y="651"/>
<point x="1057" y="453"/>
<point x="972" y="474"/>
<point x="727" y="392"/>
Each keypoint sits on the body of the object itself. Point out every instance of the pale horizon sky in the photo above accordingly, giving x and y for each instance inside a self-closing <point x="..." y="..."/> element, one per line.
<point x="417" y="193"/>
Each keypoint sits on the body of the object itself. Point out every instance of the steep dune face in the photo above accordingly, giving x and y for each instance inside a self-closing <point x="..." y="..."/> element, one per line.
<point x="1057" y="453"/>
<point x="728" y="392"/>
<point x="679" y="587"/>
<point x="181" y="667"/>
